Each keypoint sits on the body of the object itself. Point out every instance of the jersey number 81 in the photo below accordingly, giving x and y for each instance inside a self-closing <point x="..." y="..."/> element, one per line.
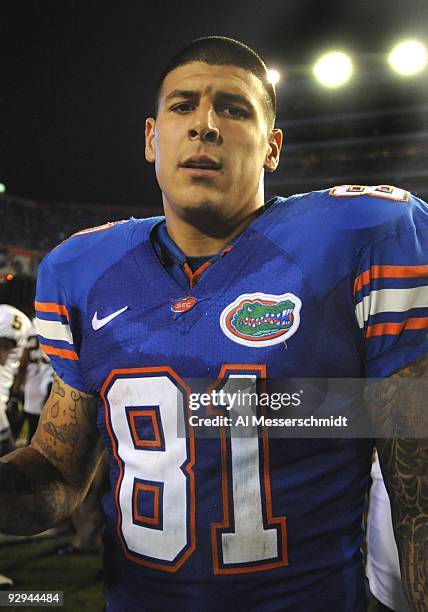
<point x="160" y="469"/>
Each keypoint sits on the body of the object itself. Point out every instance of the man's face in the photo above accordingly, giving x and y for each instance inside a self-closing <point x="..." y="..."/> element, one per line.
<point x="210" y="141"/>
<point x="6" y="345"/>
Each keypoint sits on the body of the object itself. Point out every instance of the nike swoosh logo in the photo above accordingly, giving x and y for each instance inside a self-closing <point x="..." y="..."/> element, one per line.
<point x="99" y="323"/>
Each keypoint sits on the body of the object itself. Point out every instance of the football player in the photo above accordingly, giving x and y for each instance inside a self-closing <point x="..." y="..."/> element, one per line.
<point x="14" y="328"/>
<point x="329" y="284"/>
<point x="37" y="374"/>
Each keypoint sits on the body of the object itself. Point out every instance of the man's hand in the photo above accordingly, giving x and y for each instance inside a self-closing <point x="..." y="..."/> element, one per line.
<point x="395" y="404"/>
<point x="41" y="484"/>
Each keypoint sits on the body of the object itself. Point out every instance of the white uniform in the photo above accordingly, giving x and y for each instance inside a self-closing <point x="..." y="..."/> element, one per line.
<point x="383" y="567"/>
<point x="39" y="375"/>
<point x="14" y="325"/>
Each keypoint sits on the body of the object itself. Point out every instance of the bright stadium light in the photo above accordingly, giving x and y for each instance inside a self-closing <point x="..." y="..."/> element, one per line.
<point x="273" y="76"/>
<point x="333" y="69"/>
<point x="408" y="57"/>
<point x="2" y="187"/>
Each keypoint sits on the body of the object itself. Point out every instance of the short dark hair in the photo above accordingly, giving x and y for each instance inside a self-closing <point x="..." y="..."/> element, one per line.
<point x="221" y="50"/>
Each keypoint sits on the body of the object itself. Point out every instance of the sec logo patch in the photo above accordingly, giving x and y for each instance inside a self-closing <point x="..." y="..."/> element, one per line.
<point x="184" y="304"/>
<point x="261" y="319"/>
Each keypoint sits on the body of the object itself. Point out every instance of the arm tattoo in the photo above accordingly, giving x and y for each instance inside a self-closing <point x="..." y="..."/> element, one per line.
<point x="40" y="485"/>
<point x="57" y="388"/>
<point x="404" y="464"/>
<point x="67" y="433"/>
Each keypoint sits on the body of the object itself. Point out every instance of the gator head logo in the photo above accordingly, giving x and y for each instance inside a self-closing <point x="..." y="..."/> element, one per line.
<point x="261" y="319"/>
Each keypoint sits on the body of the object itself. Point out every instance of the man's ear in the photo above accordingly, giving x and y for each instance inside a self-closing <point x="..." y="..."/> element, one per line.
<point x="274" y="150"/>
<point x="150" y="148"/>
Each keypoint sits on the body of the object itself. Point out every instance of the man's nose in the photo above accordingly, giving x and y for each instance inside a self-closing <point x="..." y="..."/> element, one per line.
<point x="204" y="126"/>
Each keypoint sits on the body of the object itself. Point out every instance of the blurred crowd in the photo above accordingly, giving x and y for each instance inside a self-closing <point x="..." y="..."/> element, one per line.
<point x="37" y="226"/>
<point x="29" y="229"/>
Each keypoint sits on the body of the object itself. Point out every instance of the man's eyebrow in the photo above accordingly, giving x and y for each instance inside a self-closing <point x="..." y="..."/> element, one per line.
<point x="221" y="96"/>
<point x="225" y="96"/>
<point x="182" y="93"/>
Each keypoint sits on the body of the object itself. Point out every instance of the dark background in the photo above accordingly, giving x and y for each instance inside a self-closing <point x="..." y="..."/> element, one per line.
<point x="77" y="82"/>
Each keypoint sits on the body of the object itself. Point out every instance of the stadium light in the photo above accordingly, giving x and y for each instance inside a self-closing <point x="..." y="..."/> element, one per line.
<point x="2" y="187"/>
<point x="333" y="69"/>
<point x="273" y="76"/>
<point x="408" y="57"/>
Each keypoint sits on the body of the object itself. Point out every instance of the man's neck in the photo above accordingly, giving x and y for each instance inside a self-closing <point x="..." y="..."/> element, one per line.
<point x="194" y="242"/>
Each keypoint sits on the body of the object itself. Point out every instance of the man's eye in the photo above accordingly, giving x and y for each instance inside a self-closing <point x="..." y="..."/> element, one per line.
<point x="234" y="111"/>
<point x="184" y="107"/>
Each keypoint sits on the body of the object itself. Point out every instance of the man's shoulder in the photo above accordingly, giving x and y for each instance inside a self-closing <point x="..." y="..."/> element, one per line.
<point x="369" y="204"/>
<point x="79" y="260"/>
<point x="376" y="204"/>
<point x="102" y="239"/>
<point x="328" y="232"/>
<point x="366" y="213"/>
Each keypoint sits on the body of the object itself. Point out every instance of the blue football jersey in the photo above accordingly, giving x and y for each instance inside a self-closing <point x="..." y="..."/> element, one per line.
<point x="325" y="284"/>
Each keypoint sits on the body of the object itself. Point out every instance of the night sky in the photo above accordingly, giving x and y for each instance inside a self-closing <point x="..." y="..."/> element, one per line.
<point x="78" y="78"/>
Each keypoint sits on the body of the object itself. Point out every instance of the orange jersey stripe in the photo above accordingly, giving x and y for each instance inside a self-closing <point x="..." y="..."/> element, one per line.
<point x="381" y="329"/>
<point x="63" y="353"/>
<point x="51" y="307"/>
<point x="389" y="272"/>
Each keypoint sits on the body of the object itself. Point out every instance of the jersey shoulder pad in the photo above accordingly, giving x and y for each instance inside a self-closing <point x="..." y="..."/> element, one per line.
<point x="328" y="231"/>
<point x="381" y="206"/>
<point x="87" y="239"/>
<point x="113" y="236"/>
<point x="77" y="262"/>
<point x="384" y="207"/>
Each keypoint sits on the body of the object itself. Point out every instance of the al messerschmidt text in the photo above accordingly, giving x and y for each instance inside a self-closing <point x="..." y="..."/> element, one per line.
<point x="254" y="420"/>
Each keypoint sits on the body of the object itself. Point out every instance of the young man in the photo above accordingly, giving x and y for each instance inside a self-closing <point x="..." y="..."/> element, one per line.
<point x="327" y="284"/>
<point x="14" y="327"/>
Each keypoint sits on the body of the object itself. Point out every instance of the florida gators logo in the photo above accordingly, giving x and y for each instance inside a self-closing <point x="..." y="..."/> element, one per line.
<point x="261" y="319"/>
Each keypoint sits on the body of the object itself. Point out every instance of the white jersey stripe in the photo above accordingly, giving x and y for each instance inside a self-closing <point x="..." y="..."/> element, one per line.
<point x="53" y="330"/>
<point x="390" y="300"/>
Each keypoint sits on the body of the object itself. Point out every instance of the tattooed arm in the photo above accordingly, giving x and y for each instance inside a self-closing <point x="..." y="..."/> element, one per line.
<point x="399" y="405"/>
<point x="41" y="484"/>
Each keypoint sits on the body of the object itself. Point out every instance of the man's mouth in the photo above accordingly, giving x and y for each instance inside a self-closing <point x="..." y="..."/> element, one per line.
<point x="201" y="162"/>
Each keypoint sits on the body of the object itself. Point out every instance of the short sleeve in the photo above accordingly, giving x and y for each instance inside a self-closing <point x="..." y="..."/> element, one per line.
<point x="391" y="298"/>
<point x="57" y="325"/>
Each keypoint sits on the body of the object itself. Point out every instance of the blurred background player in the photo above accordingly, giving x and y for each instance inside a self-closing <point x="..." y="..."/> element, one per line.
<point x="35" y="377"/>
<point x="14" y="327"/>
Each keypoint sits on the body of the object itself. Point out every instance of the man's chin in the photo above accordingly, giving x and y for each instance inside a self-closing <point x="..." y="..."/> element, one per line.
<point x="206" y="216"/>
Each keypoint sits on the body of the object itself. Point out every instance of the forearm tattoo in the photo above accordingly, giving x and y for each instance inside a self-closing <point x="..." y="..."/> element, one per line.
<point x="404" y="464"/>
<point x="67" y="433"/>
<point x="41" y="485"/>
